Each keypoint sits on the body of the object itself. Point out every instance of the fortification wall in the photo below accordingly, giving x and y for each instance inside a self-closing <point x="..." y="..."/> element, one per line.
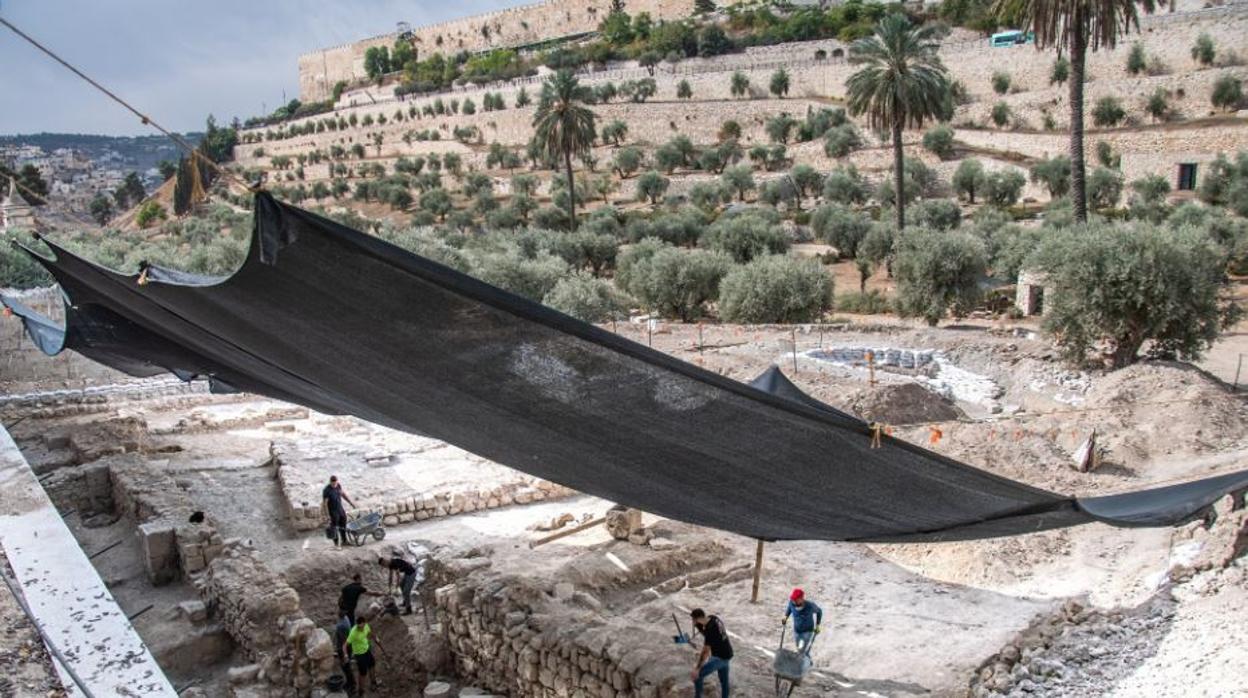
<point x="517" y="26"/>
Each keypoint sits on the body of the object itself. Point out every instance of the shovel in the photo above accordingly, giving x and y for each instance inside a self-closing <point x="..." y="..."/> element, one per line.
<point x="680" y="637"/>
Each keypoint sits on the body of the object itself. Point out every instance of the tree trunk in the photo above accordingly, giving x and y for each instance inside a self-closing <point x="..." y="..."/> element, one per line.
<point x="899" y="175"/>
<point x="567" y="161"/>
<point x="1078" y="174"/>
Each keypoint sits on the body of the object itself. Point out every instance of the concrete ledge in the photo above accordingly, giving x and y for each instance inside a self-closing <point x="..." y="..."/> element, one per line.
<point x="65" y="593"/>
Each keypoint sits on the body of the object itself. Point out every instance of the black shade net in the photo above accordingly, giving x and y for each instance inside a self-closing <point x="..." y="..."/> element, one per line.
<point x="342" y="322"/>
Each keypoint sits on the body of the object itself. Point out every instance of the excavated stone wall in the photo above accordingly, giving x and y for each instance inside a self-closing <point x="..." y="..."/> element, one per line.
<point x="549" y="638"/>
<point x="262" y="613"/>
<point x="400" y="504"/>
<point x="172" y="544"/>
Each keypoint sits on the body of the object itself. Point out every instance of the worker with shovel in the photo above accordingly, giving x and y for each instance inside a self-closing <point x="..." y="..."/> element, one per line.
<point x="807" y="618"/>
<point x="716" y="652"/>
<point x="359" y="647"/>
<point x="406" y="572"/>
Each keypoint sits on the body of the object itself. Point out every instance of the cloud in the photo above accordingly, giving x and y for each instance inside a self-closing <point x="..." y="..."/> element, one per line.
<point x="179" y="61"/>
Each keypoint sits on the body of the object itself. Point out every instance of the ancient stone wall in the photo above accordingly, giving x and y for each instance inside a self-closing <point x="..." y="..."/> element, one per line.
<point x="143" y="492"/>
<point x="261" y="612"/>
<point x="504" y="638"/>
<point x="513" y="27"/>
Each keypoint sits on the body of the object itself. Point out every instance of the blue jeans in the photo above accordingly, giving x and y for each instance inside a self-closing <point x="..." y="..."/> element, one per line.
<point x="714" y="664"/>
<point x="804" y="639"/>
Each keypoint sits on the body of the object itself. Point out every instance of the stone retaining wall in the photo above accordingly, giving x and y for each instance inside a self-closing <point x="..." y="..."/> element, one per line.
<point x="261" y="612"/>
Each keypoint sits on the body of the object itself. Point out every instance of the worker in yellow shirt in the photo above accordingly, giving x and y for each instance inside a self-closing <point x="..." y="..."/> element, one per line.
<point x="358" y="647"/>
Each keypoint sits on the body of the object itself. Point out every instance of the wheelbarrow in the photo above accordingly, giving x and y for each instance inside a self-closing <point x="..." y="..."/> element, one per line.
<point x="365" y="525"/>
<point x="790" y="666"/>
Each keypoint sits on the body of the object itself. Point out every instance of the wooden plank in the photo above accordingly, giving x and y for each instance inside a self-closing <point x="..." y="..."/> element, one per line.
<point x="563" y="534"/>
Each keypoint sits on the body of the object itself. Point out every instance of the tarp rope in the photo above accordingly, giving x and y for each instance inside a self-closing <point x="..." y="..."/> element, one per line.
<point x="147" y="120"/>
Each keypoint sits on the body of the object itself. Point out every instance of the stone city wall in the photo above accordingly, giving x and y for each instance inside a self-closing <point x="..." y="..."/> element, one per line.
<point x="513" y="27"/>
<point x="262" y="613"/>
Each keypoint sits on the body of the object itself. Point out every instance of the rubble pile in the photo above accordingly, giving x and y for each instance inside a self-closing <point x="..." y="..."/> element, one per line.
<point x="262" y="613"/>
<point x="1076" y="651"/>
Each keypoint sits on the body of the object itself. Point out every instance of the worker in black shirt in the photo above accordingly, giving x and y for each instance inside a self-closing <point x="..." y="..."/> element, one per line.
<point x="332" y="498"/>
<point x="407" y="573"/>
<point x="715" y="655"/>
<point x="350" y="597"/>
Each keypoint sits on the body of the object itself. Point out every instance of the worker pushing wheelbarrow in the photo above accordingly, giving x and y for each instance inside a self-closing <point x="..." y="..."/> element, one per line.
<point x="791" y="666"/>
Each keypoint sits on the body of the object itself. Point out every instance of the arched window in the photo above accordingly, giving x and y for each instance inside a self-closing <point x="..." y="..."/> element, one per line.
<point x="838" y="53"/>
<point x="821" y="55"/>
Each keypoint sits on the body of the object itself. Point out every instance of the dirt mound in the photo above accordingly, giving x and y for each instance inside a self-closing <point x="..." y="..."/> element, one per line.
<point x="901" y="404"/>
<point x="1153" y="410"/>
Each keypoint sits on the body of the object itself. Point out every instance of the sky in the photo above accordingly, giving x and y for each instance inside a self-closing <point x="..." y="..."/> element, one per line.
<point x="179" y="61"/>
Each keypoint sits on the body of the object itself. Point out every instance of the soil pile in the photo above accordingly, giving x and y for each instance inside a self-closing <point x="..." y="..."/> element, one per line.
<point x="901" y="404"/>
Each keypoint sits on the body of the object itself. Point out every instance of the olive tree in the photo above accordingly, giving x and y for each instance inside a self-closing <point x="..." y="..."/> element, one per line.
<point x="938" y="273"/>
<point x="776" y="288"/>
<point x="1124" y="285"/>
<point x="587" y="298"/>
<point x="746" y="236"/>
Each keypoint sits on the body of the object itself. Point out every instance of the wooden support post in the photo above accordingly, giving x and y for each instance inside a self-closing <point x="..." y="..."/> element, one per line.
<point x="871" y="367"/>
<point x="793" y="336"/>
<point x="758" y="571"/>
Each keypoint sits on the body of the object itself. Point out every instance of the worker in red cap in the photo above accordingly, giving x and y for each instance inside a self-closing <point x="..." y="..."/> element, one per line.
<point x="807" y="618"/>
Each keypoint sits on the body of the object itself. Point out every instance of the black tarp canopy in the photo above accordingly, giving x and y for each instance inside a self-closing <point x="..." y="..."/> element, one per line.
<point x="340" y="321"/>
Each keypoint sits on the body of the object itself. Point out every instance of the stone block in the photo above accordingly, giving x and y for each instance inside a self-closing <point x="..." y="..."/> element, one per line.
<point x="158" y="541"/>
<point x="623" y="522"/>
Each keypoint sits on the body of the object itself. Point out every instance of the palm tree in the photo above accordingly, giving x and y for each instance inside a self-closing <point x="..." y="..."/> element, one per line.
<point x="1072" y="27"/>
<point x="902" y="83"/>
<point x="564" y="127"/>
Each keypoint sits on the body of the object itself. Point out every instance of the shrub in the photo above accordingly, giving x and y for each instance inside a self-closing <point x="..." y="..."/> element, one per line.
<point x="845" y="186"/>
<point x="740" y="84"/>
<point x="841" y="227"/>
<point x="1136" y="60"/>
<point x="1203" y="51"/>
<point x="679" y="283"/>
<point x="1104" y="187"/>
<point x="150" y="213"/>
<point x="1001" y="114"/>
<point x="1228" y="92"/>
<point x="739" y="179"/>
<point x="1157" y="106"/>
<point x="437" y="202"/>
<point x="614" y="133"/>
<point x="1106" y="156"/>
<point x="968" y="179"/>
<point x="780" y="128"/>
<point x="706" y="195"/>
<point x="777" y="288"/>
<point x="842" y="140"/>
<point x="938" y="214"/>
<point x="1054" y="174"/>
<point x="627" y="160"/>
<point x="863" y="303"/>
<point x="779" y="85"/>
<point x="587" y="298"/>
<point x="651" y="187"/>
<point x="1134" y="283"/>
<point x="1000" y="82"/>
<point x="18" y="269"/>
<point x="531" y="277"/>
<point x="1003" y="187"/>
<point x="730" y="130"/>
<point x="1060" y="72"/>
<point x="684" y="90"/>
<point x="745" y="236"/>
<point x="938" y="273"/>
<point x="1108" y="112"/>
<point x="469" y="107"/>
<point x="939" y="141"/>
<point x="1148" y="198"/>
<point x="667" y="158"/>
